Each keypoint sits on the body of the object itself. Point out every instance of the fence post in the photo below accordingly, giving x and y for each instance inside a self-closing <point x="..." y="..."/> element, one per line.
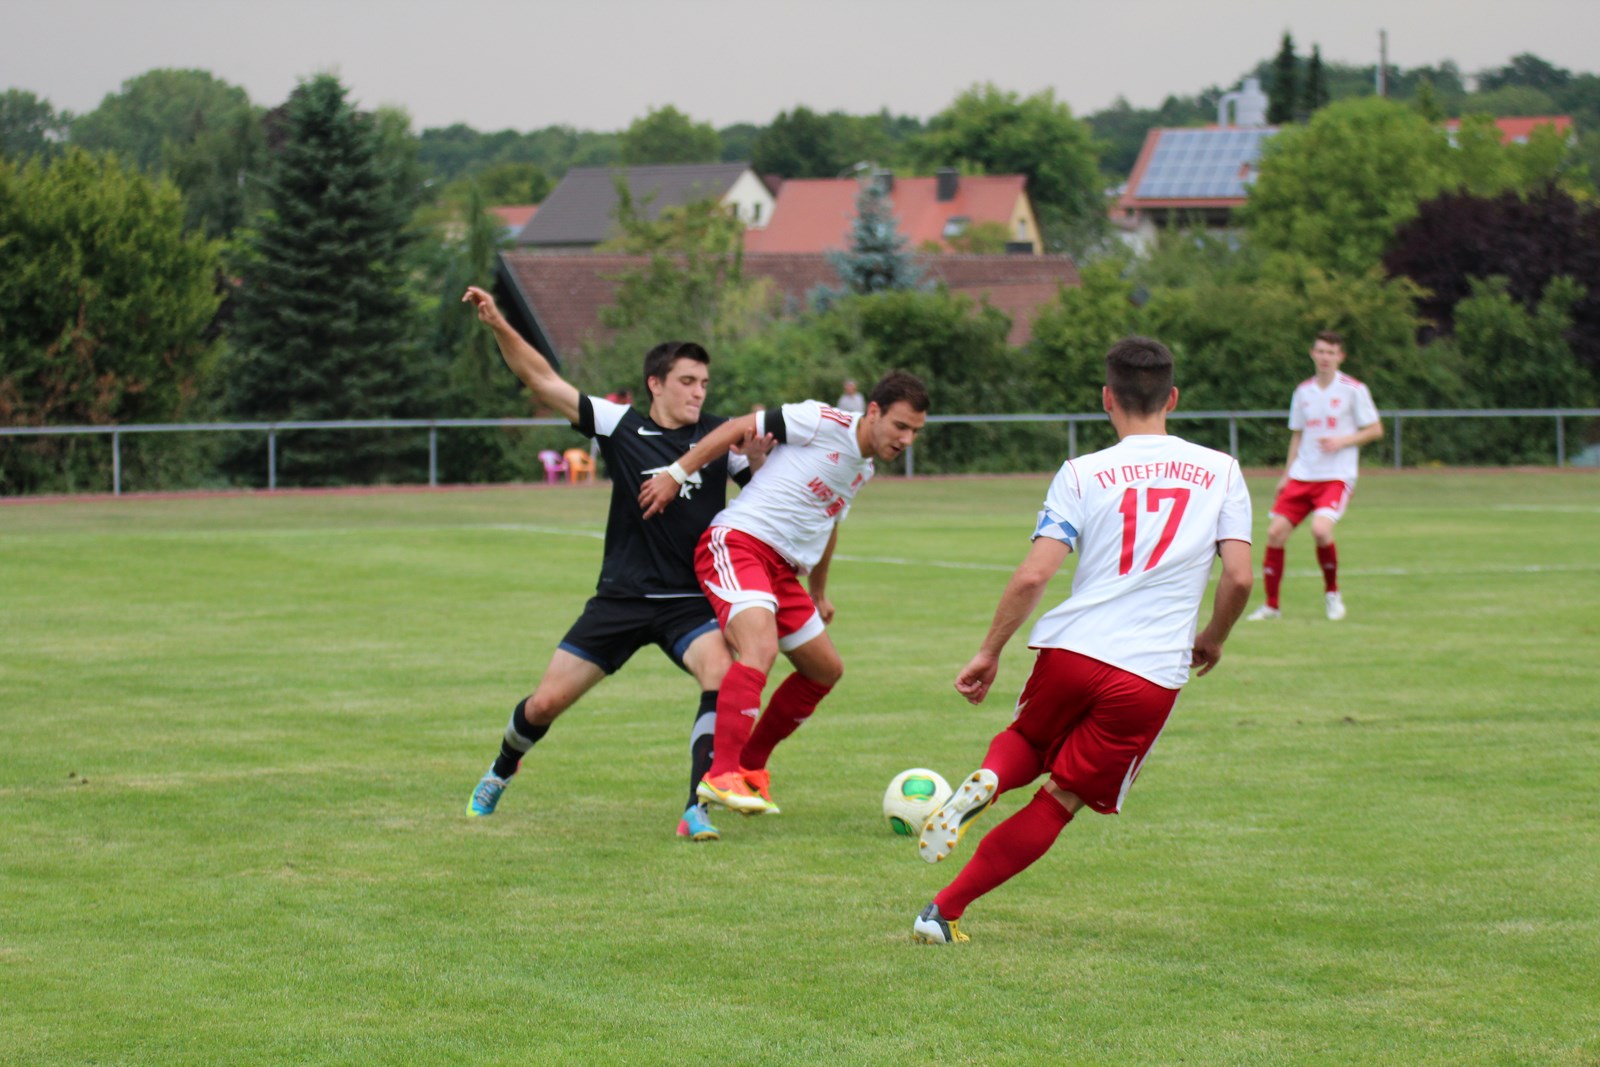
<point x="1561" y="441"/>
<point x="272" y="458"/>
<point x="1072" y="439"/>
<point x="1233" y="437"/>
<point x="1397" y="442"/>
<point x="433" y="455"/>
<point x="116" y="463"/>
<point x="911" y="460"/>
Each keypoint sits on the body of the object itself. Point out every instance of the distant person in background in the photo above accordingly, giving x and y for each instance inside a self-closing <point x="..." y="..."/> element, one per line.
<point x="851" y="399"/>
<point x="1331" y="416"/>
<point x="647" y="592"/>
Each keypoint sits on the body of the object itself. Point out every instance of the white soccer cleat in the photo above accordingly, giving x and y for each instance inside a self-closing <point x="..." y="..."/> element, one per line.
<point x="1335" y="607"/>
<point x="1262" y="613"/>
<point x="948" y="825"/>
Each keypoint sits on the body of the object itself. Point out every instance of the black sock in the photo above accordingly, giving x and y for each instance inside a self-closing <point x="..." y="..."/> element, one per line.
<point x="700" y="738"/>
<point x="521" y="735"/>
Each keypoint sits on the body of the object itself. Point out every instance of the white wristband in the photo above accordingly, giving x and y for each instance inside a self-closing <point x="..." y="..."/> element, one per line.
<point x="679" y="475"/>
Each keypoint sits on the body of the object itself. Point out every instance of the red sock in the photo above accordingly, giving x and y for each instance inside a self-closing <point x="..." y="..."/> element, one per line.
<point x="1005" y="851"/>
<point x="1272" y="573"/>
<point x="1328" y="557"/>
<point x="738" y="704"/>
<point x="1013" y="760"/>
<point x="789" y="707"/>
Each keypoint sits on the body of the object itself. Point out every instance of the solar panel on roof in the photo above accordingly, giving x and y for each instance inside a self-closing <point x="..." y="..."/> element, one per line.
<point x="1202" y="164"/>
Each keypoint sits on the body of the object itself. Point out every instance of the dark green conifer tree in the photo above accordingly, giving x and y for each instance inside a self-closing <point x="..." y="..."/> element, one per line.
<point x="1283" y="97"/>
<point x="324" y="326"/>
<point x="1314" y="94"/>
<point x="877" y="260"/>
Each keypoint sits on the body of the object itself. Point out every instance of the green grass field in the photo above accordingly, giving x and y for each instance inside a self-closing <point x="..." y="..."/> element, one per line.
<point x="239" y="733"/>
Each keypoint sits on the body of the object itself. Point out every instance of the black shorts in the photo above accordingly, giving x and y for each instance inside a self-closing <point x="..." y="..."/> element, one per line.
<point x="611" y="629"/>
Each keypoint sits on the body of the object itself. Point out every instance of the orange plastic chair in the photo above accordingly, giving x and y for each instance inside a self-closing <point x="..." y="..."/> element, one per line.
<point x="580" y="465"/>
<point x="554" y="465"/>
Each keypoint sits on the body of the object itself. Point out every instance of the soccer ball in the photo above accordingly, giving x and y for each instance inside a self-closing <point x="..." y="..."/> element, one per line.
<point x="912" y="797"/>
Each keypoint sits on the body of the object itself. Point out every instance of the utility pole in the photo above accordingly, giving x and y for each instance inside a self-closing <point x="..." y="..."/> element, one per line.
<point x="1383" y="63"/>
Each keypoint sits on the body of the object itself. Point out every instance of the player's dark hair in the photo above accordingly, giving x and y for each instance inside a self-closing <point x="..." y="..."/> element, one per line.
<point x="1332" y="337"/>
<point x="1139" y="374"/>
<point x="659" y="360"/>
<point x="898" y="386"/>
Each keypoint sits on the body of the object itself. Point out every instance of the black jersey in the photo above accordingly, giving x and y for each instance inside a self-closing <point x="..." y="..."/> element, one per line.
<point x="654" y="558"/>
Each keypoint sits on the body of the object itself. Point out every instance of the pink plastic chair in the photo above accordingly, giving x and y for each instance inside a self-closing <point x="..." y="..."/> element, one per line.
<point x="555" y="468"/>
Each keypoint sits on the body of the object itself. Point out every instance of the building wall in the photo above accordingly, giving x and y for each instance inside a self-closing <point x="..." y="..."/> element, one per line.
<point x="1024" y="227"/>
<point x="750" y="200"/>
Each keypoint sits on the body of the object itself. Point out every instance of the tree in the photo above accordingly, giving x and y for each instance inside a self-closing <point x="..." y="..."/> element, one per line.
<point x="29" y="126"/>
<point x="197" y="129"/>
<point x="1526" y="70"/>
<point x="1283" y="96"/>
<point x="104" y="308"/>
<point x="1335" y="189"/>
<point x="1516" y="352"/>
<point x="998" y="133"/>
<point x="738" y="141"/>
<point x="876" y="260"/>
<point x="690" y="287"/>
<point x="1314" y="94"/>
<point x="669" y="136"/>
<point x="798" y="144"/>
<point x="324" y="327"/>
<point x="1524" y="240"/>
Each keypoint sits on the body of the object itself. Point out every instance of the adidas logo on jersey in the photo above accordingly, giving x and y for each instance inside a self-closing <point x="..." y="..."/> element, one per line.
<point x="833" y="457"/>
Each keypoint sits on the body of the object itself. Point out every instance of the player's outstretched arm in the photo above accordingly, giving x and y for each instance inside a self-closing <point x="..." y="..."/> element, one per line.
<point x="1233" y="593"/>
<point x="525" y="361"/>
<point x="1022" y="595"/>
<point x="658" y="492"/>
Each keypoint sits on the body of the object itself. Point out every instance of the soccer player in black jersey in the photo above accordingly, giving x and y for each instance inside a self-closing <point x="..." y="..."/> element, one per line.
<point x="647" y="593"/>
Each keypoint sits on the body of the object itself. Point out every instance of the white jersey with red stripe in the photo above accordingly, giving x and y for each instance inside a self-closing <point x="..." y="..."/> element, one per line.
<point x="1144" y="516"/>
<point x="1344" y="407"/>
<point x="806" y="484"/>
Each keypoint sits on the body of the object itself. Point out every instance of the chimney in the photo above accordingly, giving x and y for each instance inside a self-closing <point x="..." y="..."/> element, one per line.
<point x="885" y="180"/>
<point x="948" y="179"/>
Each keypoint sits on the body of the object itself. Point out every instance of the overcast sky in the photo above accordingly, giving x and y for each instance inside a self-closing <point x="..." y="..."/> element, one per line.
<point x="599" y="64"/>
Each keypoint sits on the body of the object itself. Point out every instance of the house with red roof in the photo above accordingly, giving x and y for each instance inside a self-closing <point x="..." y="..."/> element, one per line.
<point x="555" y="301"/>
<point x="1201" y="176"/>
<point x="514" y="216"/>
<point x="1517" y="129"/>
<point x="815" y="214"/>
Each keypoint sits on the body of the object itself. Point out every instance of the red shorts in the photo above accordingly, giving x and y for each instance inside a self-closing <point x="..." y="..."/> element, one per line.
<point x="1093" y="724"/>
<point x="738" y="572"/>
<point x="1296" y="500"/>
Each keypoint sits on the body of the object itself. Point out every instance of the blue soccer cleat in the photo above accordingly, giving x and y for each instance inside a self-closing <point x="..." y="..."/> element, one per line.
<point x="487" y="795"/>
<point x="696" y="825"/>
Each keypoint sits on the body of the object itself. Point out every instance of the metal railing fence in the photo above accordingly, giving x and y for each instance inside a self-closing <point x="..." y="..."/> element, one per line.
<point x="1395" y="421"/>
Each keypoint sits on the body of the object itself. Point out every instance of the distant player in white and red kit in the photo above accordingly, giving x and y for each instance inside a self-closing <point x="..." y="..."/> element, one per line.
<point x="1331" y="416"/>
<point x="1146" y="517"/>
<point x="750" y="560"/>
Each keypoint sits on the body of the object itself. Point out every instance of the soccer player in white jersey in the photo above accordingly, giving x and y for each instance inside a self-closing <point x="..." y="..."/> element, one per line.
<point x="647" y="592"/>
<point x="781" y="527"/>
<point x="1330" y="418"/>
<point x="1146" y="517"/>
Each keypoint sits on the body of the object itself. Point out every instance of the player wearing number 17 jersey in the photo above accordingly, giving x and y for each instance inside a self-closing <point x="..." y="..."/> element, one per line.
<point x="1146" y="516"/>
